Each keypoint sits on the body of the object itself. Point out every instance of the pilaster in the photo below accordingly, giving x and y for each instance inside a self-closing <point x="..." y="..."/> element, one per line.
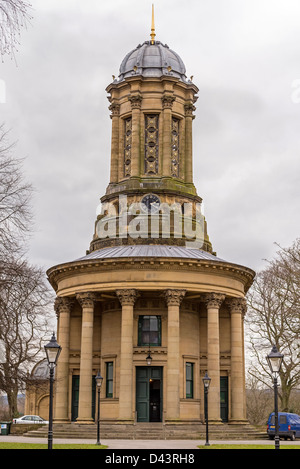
<point x="167" y="104"/>
<point x="189" y="109"/>
<point x="127" y="299"/>
<point x="114" y="162"/>
<point x="136" y="103"/>
<point x="87" y="302"/>
<point x="237" y="308"/>
<point x="63" y="307"/>
<point x="213" y="302"/>
<point x="173" y="299"/>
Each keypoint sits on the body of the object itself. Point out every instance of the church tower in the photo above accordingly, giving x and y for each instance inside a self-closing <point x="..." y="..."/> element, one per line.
<point x="152" y="111"/>
<point x="150" y="305"/>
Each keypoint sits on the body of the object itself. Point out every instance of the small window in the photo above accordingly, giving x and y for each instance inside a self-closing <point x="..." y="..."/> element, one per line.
<point x="189" y="377"/>
<point x="109" y="379"/>
<point x="149" y="331"/>
<point x="282" y="419"/>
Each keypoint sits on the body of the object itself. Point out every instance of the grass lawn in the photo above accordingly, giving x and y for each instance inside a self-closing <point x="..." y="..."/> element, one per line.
<point x="86" y="446"/>
<point x="250" y="446"/>
<point x="45" y="446"/>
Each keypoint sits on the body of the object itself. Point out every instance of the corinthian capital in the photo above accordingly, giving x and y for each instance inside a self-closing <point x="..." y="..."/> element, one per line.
<point x="237" y="305"/>
<point x="127" y="297"/>
<point x="136" y="101"/>
<point x="86" y="299"/>
<point x="174" y="297"/>
<point x="213" y="300"/>
<point x="63" y="304"/>
<point x="167" y="101"/>
<point x="189" y="109"/>
<point x="115" y="109"/>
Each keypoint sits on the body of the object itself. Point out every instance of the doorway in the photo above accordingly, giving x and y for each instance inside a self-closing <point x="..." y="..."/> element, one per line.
<point x="75" y="397"/>
<point x="149" y="393"/>
<point x="224" y="398"/>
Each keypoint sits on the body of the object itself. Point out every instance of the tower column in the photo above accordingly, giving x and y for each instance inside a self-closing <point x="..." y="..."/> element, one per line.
<point x="63" y="306"/>
<point x="189" y="109"/>
<point x="87" y="301"/>
<point x="173" y="300"/>
<point x="167" y="101"/>
<point x="127" y="299"/>
<point x="114" y="162"/>
<point x="237" y="307"/>
<point x="136" y="102"/>
<point x="213" y="303"/>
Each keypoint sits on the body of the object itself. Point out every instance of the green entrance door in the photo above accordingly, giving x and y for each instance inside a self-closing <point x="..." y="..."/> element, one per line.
<point x="149" y="393"/>
<point x="224" y="398"/>
<point x="75" y="396"/>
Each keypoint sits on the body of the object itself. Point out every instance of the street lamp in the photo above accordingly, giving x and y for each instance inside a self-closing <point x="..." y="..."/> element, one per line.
<point x="149" y="359"/>
<point x="52" y="352"/>
<point x="275" y="359"/>
<point x="206" y="381"/>
<point x="99" y="381"/>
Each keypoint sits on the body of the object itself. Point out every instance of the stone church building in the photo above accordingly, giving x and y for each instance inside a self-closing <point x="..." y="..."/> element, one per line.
<point x="150" y="305"/>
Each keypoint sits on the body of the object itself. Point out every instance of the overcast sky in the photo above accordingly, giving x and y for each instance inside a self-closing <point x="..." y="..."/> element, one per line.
<point x="245" y="59"/>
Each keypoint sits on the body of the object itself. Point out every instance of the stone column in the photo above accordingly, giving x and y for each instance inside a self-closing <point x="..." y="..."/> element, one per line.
<point x="237" y="307"/>
<point x="63" y="306"/>
<point x="87" y="301"/>
<point x="167" y="101"/>
<point x="127" y="299"/>
<point x="173" y="300"/>
<point x="114" y="163"/>
<point x="213" y="303"/>
<point x="189" y="109"/>
<point x="136" y="103"/>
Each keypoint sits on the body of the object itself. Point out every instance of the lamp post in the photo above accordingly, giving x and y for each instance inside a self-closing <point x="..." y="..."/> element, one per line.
<point x="275" y="359"/>
<point x="149" y="359"/>
<point x="99" y="381"/>
<point x="52" y="352"/>
<point x="206" y="381"/>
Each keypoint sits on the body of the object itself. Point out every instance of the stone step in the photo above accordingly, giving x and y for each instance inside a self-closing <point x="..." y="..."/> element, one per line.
<point x="151" y="432"/>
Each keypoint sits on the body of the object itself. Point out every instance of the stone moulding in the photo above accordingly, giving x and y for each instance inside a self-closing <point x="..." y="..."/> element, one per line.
<point x="222" y="269"/>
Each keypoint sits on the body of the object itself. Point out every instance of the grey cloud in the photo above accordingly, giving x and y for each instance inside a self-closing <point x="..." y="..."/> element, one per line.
<point x="246" y="137"/>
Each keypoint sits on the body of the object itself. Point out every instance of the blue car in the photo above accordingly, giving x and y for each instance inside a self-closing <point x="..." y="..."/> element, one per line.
<point x="288" y="425"/>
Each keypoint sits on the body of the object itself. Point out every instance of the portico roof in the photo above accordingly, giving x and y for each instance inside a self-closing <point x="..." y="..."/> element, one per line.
<point x="150" y="251"/>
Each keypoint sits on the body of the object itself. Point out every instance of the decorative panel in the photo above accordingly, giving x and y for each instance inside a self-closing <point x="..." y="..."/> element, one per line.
<point x="151" y="144"/>
<point x="127" y="147"/>
<point x="175" y="148"/>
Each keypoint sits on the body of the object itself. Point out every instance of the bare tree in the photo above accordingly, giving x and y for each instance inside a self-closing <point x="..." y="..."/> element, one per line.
<point x="15" y="196"/>
<point x="273" y="319"/>
<point x="24" y="292"/>
<point x="259" y="402"/>
<point x="25" y="313"/>
<point x="14" y="14"/>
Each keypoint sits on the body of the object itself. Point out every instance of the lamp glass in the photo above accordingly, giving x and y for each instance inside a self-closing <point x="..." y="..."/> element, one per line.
<point x="149" y="359"/>
<point x="206" y="380"/>
<point x="52" y="350"/>
<point x="99" y="380"/>
<point x="275" y="359"/>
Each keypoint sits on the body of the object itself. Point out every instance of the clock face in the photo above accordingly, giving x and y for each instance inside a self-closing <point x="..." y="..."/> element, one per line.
<point x="150" y="203"/>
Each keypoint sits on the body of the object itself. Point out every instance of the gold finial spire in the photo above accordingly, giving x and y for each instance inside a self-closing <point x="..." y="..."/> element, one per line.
<point x="152" y="27"/>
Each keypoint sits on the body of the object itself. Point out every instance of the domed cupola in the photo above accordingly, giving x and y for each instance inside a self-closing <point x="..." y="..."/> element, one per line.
<point x="152" y="59"/>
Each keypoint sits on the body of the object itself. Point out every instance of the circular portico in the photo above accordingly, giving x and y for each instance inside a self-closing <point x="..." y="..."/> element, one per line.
<point x="151" y="284"/>
<point x="148" y="268"/>
<point x="199" y="302"/>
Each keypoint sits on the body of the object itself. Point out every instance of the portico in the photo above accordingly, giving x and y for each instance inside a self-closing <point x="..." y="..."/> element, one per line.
<point x="149" y="286"/>
<point x="201" y="328"/>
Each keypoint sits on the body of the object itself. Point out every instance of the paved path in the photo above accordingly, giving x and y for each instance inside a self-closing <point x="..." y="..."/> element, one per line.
<point x="141" y="444"/>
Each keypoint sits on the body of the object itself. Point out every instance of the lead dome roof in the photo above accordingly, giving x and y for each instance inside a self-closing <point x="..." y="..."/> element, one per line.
<point x="152" y="60"/>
